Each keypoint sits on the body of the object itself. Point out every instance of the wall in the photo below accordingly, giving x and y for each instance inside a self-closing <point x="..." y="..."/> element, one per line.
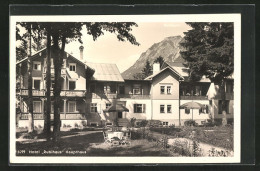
<point x="216" y="115"/>
<point x="156" y="115"/>
<point x="166" y="77"/>
<point x="81" y="72"/>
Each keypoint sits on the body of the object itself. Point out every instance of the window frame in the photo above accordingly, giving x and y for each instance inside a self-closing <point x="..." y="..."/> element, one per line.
<point x="38" y="64"/>
<point x="169" y="93"/>
<point x="136" y="107"/>
<point x="162" y="89"/>
<point x="40" y="106"/>
<point x="167" y="108"/>
<point x="73" y="64"/>
<point x="162" y="105"/>
<point x="95" y="107"/>
<point x="38" y="79"/>
<point x="70" y="102"/>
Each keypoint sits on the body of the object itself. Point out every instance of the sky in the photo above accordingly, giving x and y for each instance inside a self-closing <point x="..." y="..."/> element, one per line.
<point x="107" y="49"/>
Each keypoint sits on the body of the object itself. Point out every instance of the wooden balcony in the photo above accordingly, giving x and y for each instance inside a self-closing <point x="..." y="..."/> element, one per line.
<point x="193" y="98"/>
<point x="67" y="116"/>
<point x="63" y="70"/>
<point x="229" y="96"/>
<point x="64" y="93"/>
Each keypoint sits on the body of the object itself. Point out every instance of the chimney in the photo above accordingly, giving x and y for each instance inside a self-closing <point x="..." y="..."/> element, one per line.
<point x="156" y="68"/>
<point x="81" y="48"/>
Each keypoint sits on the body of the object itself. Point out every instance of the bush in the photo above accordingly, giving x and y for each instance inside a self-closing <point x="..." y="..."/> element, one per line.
<point x="132" y="122"/>
<point x="84" y="123"/>
<point x="154" y="123"/>
<point x="190" y="123"/>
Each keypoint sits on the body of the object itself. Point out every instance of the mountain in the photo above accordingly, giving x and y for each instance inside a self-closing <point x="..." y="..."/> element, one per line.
<point x="168" y="48"/>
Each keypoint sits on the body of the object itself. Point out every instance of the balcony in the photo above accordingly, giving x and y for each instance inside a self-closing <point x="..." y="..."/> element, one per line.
<point x="134" y="96"/>
<point x="63" y="70"/>
<point x="64" y="93"/>
<point x="229" y="96"/>
<point x="193" y="98"/>
<point x="63" y="116"/>
<point x="102" y="95"/>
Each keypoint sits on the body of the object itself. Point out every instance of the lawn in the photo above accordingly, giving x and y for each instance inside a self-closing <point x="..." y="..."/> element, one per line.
<point x="88" y="143"/>
<point x="220" y="136"/>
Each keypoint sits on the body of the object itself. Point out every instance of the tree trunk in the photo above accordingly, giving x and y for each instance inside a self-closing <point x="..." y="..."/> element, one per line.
<point x="47" y="116"/>
<point x="30" y="98"/>
<point x="57" y="87"/>
<point x="224" y="104"/>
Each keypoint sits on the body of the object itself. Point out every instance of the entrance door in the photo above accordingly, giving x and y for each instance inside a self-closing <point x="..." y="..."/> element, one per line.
<point x="119" y="115"/>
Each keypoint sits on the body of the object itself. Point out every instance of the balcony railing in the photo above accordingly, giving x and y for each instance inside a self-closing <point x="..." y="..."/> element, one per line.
<point x="63" y="116"/>
<point x="63" y="70"/>
<point x="193" y="98"/>
<point x="134" y="96"/>
<point x="102" y="95"/>
<point x="65" y="93"/>
<point x="229" y="96"/>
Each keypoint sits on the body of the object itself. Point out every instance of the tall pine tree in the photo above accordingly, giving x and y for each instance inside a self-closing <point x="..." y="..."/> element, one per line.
<point x="209" y="51"/>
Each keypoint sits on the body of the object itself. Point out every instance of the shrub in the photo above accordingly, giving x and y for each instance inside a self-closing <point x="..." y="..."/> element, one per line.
<point x="76" y="125"/>
<point x="132" y="122"/>
<point x="190" y="123"/>
<point x="143" y="123"/>
<point x="84" y="123"/>
<point x="154" y="123"/>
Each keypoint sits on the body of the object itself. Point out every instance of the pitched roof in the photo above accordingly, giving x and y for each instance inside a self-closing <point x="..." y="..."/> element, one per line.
<point x="36" y="54"/>
<point x="170" y="68"/>
<point x="179" y="67"/>
<point x="106" y="72"/>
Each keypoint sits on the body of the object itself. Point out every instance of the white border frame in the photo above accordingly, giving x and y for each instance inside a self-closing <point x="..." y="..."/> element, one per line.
<point x="236" y="18"/>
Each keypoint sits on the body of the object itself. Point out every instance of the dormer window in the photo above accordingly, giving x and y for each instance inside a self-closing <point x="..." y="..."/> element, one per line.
<point x="72" y="67"/>
<point x="36" y="65"/>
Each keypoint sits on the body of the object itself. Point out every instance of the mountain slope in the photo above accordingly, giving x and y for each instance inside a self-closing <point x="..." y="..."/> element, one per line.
<point x="168" y="48"/>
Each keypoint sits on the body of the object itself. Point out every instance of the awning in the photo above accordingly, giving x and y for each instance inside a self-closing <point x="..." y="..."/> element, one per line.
<point x="116" y="108"/>
<point x="192" y="105"/>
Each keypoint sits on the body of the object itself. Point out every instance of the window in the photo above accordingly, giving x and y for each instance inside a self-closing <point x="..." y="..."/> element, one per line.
<point x="72" y="85"/>
<point x="197" y="90"/>
<point x="108" y="124"/>
<point x="108" y="105"/>
<point x="223" y="107"/>
<point x="169" y="108"/>
<point x="139" y="108"/>
<point x="36" y="84"/>
<point x="37" y="65"/>
<point x="121" y="89"/>
<point x="37" y="107"/>
<point x="72" y="67"/>
<point x="137" y="89"/>
<point x="93" y="107"/>
<point x="187" y="111"/>
<point x="93" y="124"/>
<point x="107" y="89"/>
<point x="169" y="90"/>
<point x="165" y="123"/>
<point x="72" y="107"/>
<point x="162" y="109"/>
<point x="162" y="89"/>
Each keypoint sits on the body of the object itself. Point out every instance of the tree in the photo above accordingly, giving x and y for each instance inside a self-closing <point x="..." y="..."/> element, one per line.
<point x="62" y="33"/>
<point x="147" y="70"/>
<point x="209" y="51"/>
<point x="159" y="60"/>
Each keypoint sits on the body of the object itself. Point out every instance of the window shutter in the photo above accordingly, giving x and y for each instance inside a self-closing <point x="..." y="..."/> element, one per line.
<point x="135" y="108"/>
<point x="207" y="108"/>
<point x="144" y="109"/>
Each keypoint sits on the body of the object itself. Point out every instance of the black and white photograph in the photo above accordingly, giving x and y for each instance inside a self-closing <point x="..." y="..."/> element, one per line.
<point x="125" y="89"/>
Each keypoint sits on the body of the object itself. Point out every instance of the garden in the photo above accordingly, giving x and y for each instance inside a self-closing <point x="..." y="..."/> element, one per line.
<point x="147" y="139"/>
